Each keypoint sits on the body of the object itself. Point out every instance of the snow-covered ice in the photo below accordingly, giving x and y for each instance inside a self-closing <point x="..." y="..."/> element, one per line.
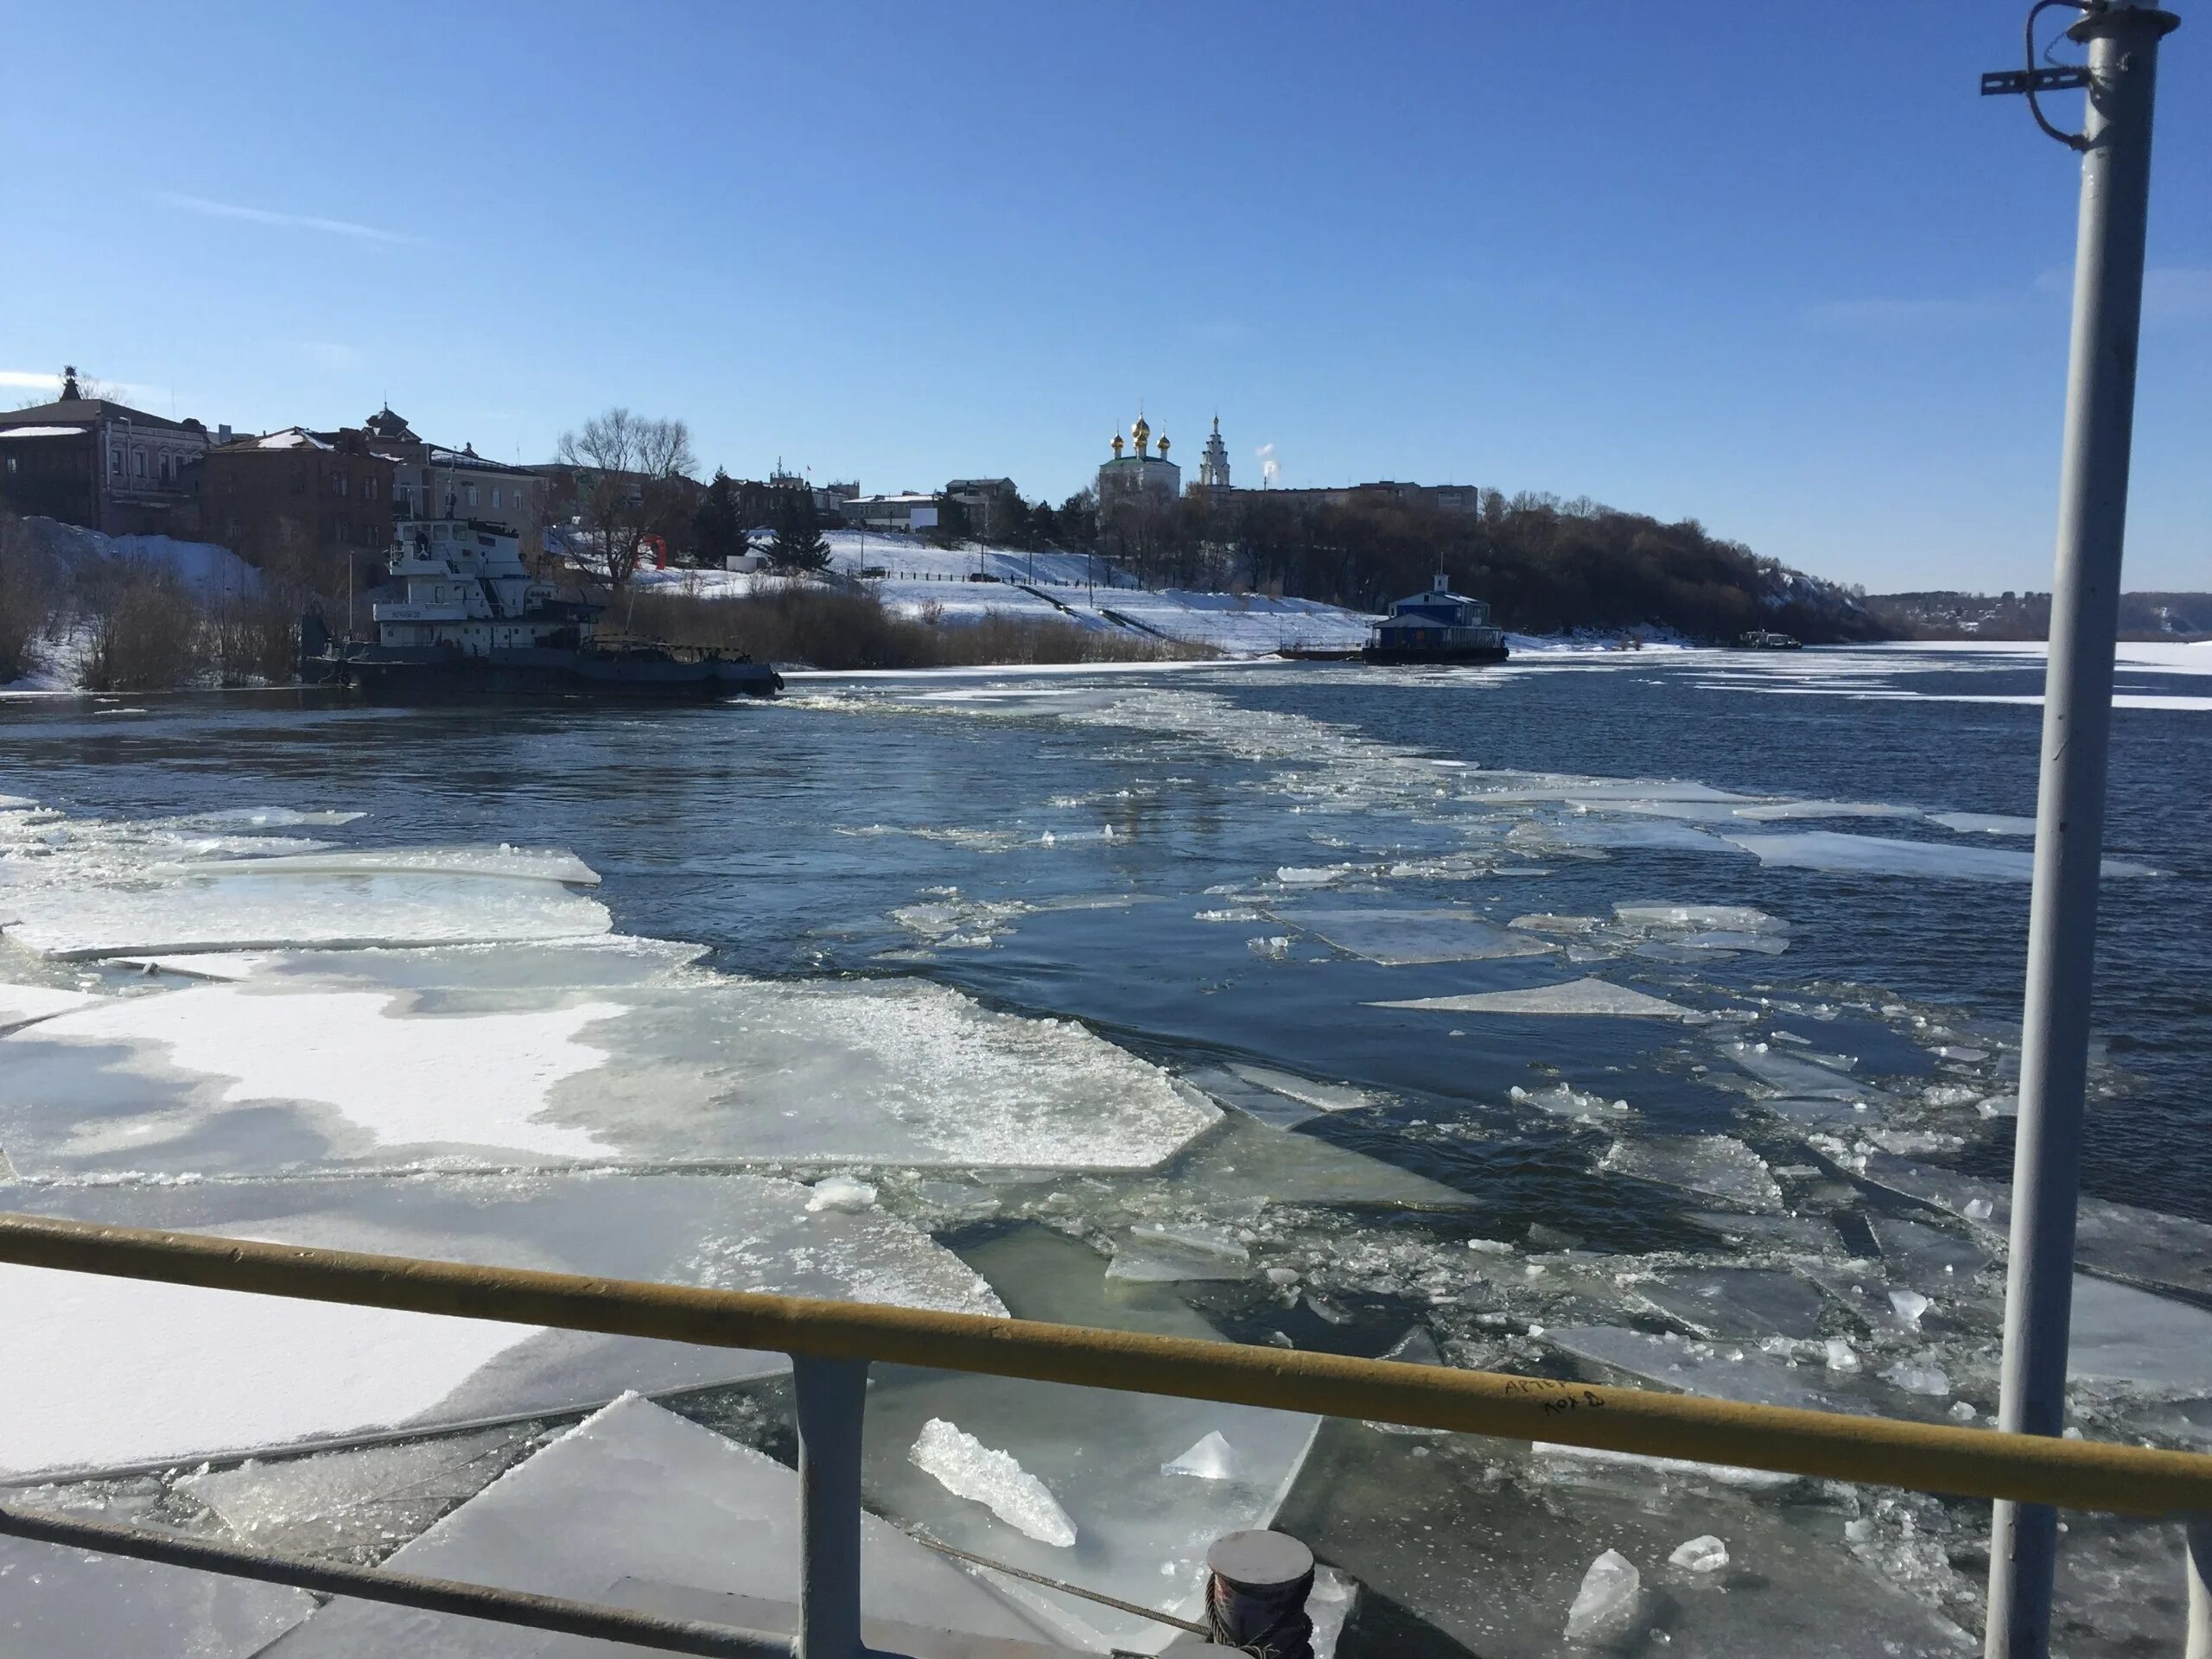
<point x="285" y="1074"/>
<point x="21" y="1004"/>
<point x="237" y="1372"/>
<point x="967" y="1468"/>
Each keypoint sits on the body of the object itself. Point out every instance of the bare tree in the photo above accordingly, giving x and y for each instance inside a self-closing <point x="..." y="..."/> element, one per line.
<point x="631" y="484"/>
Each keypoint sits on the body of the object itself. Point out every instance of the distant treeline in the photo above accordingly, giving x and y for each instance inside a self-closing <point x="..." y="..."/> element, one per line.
<point x="1944" y="615"/>
<point x="1545" y="564"/>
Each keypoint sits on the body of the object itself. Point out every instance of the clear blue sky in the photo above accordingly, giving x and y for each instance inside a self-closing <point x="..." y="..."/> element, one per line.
<point x="1772" y="265"/>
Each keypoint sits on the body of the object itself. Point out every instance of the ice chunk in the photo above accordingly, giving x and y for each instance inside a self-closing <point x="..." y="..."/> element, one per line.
<point x="1721" y="1370"/>
<point x="240" y="1372"/>
<point x="964" y="1466"/>
<point x="1984" y="824"/>
<point x="1155" y="1254"/>
<point x="840" y="1192"/>
<point x="1801" y="1079"/>
<point x="1918" y="1378"/>
<point x="1828" y="849"/>
<point x="1212" y="1459"/>
<point x="637" y="1494"/>
<point x="1713" y="1164"/>
<point x="240" y="909"/>
<point x="21" y="1004"/>
<point x="1739" y="1302"/>
<point x="1574" y="1457"/>
<point x="1841" y="1355"/>
<point x="1605" y="1606"/>
<point x="1322" y="1096"/>
<point x="1699" y="919"/>
<point x="1909" y="1305"/>
<point x="1703" y="1554"/>
<point x="1575" y="996"/>
<point x="1398" y="938"/>
<point x="513" y="863"/>
<point x="69" y="1603"/>
<point x="263" y="817"/>
<point x="1563" y="1100"/>
<point x="1775" y="811"/>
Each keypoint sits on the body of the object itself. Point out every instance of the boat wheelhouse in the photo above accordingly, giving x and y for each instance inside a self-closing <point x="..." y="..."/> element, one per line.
<point x="467" y="588"/>
<point x="1437" y="627"/>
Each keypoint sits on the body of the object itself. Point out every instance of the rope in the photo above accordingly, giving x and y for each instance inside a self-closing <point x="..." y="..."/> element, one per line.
<point x="1104" y="1600"/>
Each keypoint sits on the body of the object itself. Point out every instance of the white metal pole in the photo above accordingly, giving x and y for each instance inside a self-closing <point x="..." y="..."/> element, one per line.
<point x="2123" y="43"/>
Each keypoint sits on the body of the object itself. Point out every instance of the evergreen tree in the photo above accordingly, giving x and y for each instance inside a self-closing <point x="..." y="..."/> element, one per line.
<point x="800" y="543"/>
<point x="718" y="529"/>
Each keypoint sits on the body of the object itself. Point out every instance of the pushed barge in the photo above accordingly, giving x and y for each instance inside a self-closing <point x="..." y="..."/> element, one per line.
<point x="476" y="623"/>
<point x="1437" y="626"/>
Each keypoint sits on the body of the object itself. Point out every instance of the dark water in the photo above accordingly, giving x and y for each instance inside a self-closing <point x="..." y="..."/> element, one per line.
<point x="784" y="838"/>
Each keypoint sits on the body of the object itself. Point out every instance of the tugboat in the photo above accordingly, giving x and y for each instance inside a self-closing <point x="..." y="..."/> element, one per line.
<point x="1437" y="627"/>
<point x="1766" y="640"/>
<point x="476" y="623"/>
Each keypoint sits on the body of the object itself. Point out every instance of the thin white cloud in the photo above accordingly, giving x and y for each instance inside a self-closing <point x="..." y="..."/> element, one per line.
<point x="286" y="221"/>
<point x="2171" y="294"/>
<point x="331" y="354"/>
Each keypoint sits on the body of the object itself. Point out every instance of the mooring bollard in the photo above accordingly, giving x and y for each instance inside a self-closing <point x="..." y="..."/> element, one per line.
<point x="1256" y="1588"/>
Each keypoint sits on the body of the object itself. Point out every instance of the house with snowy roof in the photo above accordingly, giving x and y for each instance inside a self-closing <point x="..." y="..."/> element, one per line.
<point x="99" y="463"/>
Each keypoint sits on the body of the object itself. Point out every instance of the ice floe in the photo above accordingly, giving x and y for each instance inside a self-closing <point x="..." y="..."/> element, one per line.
<point x="1716" y="1164"/>
<point x="1398" y="938"/>
<point x="286" y="1074"/>
<point x="71" y="1603"/>
<point x="1830" y="850"/>
<point x="1573" y="997"/>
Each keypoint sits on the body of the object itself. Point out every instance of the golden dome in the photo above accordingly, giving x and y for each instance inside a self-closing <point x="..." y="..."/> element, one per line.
<point x="1117" y="446"/>
<point x="1140" y="432"/>
<point x="1163" y="446"/>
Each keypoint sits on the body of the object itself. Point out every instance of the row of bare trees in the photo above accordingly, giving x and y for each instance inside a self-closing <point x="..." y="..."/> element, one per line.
<point x="631" y="475"/>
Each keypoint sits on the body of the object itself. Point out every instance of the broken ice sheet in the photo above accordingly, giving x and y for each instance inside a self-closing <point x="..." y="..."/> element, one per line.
<point x="2128" y="1339"/>
<point x="635" y="1492"/>
<point x="1575" y="997"/>
<point x="1401" y="938"/>
<point x="287" y="1074"/>
<point x="513" y="863"/>
<point x="1489" y="1548"/>
<point x="1281" y="1098"/>
<point x="1716" y="1164"/>
<point x="1984" y="824"/>
<point x="237" y="1372"/>
<point x="352" y="1505"/>
<point x="1830" y="850"/>
<point x="70" y="1604"/>
<point x="1723" y="1370"/>
<point x="20" y="1005"/>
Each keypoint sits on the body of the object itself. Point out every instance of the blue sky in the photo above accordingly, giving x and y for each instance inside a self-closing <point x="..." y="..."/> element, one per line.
<point x="1776" y="266"/>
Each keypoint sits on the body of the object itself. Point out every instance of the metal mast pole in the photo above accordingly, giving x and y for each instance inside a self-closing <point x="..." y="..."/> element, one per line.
<point x="2123" y="42"/>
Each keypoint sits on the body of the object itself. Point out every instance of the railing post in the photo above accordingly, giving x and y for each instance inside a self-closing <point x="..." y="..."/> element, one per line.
<point x="2198" y="1559"/>
<point x="832" y="1396"/>
<point x="2123" y="47"/>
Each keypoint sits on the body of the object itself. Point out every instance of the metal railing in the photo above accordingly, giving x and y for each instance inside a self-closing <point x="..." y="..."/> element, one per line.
<point x="831" y="1345"/>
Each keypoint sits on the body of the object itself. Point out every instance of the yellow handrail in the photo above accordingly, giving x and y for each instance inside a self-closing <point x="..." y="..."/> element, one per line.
<point x="1934" y="1458"/>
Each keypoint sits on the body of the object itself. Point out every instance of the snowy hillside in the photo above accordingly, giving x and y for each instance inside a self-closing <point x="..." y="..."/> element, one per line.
<point x="919" y="580"/>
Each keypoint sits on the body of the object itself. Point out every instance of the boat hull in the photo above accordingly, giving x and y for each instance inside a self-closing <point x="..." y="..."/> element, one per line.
<point x="389" y="674"/>
<point x="1438" y="656"/>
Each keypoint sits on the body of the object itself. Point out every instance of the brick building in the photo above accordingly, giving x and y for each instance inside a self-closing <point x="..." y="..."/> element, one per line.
<point x="296" y="492"/>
